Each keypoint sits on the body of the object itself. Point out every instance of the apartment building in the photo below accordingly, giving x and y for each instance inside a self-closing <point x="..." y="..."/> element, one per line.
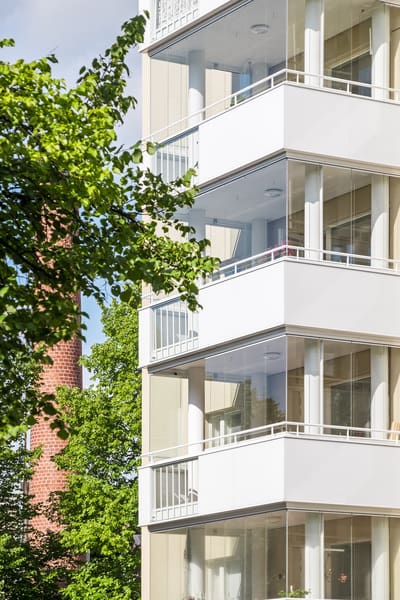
<point x="271" y="455"/>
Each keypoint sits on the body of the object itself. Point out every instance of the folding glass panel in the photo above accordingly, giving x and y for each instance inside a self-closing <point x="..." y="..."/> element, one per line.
<point x="244" y="217"/>
<point x="347" y="44"/>
<point x="168" y="410"/>
<point x="245" y="389"/>
<point x="347" y="386"/>
<point x="347" y="214"/>
<point x="264" y="557"/>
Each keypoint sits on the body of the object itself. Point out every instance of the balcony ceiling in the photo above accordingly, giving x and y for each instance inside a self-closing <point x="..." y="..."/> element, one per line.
<point x="229" y="42"/>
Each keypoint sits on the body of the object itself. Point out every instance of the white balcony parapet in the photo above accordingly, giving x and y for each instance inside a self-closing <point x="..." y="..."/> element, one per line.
<point x="175" y="490"/>
<point x="324" y="82"/>
<point x="169" y="15"/>
<point x="274" y="466"/>
<point x="339" y="433"/>
<point x="287" y="251"/>
<point x="175" y="329"/>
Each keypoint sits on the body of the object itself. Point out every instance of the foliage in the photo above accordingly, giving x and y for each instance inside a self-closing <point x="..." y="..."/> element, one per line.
<point x="72" y="206"/>
<point x="29" y="565"/>
<point x="99" y="508"/>
<point x="294" y="593"/>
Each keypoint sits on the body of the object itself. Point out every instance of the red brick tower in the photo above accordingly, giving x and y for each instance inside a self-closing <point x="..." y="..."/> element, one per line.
<point x="47" y="478"/>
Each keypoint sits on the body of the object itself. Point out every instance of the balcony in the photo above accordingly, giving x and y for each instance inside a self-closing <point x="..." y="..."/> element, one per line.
<point x="262" y="120"/>
<point x="270" y="465"/>
<point x="319" y="291"/>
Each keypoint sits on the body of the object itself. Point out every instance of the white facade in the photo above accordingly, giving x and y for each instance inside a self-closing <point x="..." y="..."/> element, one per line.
<point x="271" y="418"/>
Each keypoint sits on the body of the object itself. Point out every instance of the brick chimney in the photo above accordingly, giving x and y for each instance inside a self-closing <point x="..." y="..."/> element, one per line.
<point x="47" y="478"/>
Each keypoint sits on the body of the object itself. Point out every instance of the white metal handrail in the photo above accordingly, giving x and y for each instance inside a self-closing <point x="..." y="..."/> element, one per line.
<point x="267" y="83"/>
<point x="339" y="432"/>
<point x="175" y="489"/>
<point x="298" y="253"/>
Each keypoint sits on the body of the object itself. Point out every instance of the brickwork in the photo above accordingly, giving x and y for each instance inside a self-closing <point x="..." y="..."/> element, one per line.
<point x="47" y="478"/>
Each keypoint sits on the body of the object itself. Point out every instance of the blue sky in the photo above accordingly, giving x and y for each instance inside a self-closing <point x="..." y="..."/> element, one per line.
<point x="75" y="31"/>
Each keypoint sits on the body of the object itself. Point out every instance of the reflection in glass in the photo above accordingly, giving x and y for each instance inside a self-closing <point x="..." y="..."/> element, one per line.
<point x="245" y="389"/>
<point x="263" y="556"/>
<point x="244" y="217"/>
<point x="347" y="213"/>
<point x="347" y="386"/>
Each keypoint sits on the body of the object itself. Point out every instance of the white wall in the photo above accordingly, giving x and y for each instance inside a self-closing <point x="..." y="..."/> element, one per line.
<point x="297" y="119"/>
<point x="347" y="300"/>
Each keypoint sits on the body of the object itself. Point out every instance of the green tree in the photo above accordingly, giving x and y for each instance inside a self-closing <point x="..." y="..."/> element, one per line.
<point x="72" y="206"/>
<point x="99" y="508"/>
<point x="30" y="565"/>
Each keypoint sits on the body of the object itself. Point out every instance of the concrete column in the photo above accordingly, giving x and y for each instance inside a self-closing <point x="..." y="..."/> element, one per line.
<point x="259" y="71"/>
<point x="197" y="85"/>
<point x="381" y="50"/>
<point x="379" y="389"/>
<point x="197" y="219"/>
<point x="395" y="50"/>
<point x="379" y="220"/>
<point x="394" y="528"/>
<point x="394" y="217"/>
<point x="380" y="584"/>
<point x="196" y="410"/>
<point x="313" y="210"/>
<point x="394" y="370"/>
<point x="195" y="554"/>
<point x="314" y="555"/>
<point x="258" y="564"/>
<point x="258" y="236"/>
<point x="313" y="376"/>
<point x="314" y="41"/>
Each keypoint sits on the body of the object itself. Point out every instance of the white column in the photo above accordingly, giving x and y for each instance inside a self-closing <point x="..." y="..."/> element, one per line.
<point x="313" y="366"/>
<point x="197" y="219"/>
<point x="259" y="71"/>
<point x="380" y="584"/>
<point x="381" y="50"/>
<point x="314" y="41"/>
<point x="258" y="236"/>
<point x="197" y="85"/>
<point x="379" y="220"/>
<point x="196" y="410"/>
<point x="313" y="207"/>
<point x="379" y="389"/>
<point x="314" y="555"/>
<point x="195" y="551"/>
<point x="258" y="564"/>
<point x="195" y="540"/>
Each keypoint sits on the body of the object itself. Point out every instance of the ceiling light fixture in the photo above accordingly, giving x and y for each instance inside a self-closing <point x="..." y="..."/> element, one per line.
<point x="273" y="192"/>
<point x="272" y="355"/>
<point x="259" y="28"/>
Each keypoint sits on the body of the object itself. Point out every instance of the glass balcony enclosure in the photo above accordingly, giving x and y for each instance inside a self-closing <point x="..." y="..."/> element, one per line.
<point x="264" y="209"/>
<point x="274" y="555"/>
<point x="253" y="40"/>
<point x="248" y="390"/>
